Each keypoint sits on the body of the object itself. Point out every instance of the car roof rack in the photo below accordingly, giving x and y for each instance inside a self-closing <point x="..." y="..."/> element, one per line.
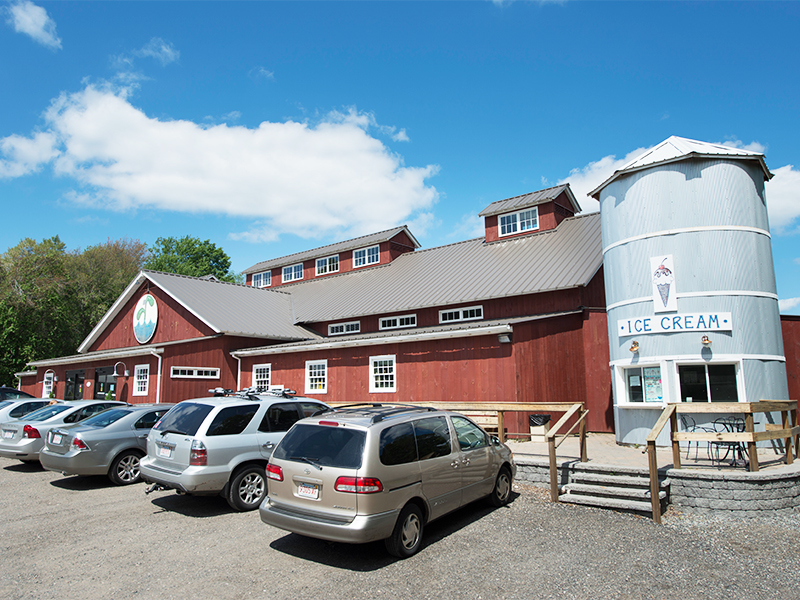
<point x="390" y="410"/>
<point x="252" y="393"/>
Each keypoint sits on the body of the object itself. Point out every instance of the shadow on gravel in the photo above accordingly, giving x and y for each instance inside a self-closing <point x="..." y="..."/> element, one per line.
<point x="82" y="482"/>
<point x="26" y="467"/>
<point x="373" y="556"/>
<point x="190" y="506"/>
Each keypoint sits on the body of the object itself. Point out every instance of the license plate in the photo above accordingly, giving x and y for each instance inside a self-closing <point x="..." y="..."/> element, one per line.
<point x="8" y="434"/>
<point x="308" y="490"/>
<point x="56" y="438"/>
<point x="164" y="451"/>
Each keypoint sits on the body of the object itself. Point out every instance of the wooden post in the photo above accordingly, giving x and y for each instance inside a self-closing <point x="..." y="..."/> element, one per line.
<point x="501" y="426"/>
<point x="551" y="445"/>
<point x="652" y="462"/>
<point x="584" y="455"/>
<point x="793" y="414"/>
<point x="787" y="443"/>
<point x="676" y="447"/>
<point x="752" y="450"/>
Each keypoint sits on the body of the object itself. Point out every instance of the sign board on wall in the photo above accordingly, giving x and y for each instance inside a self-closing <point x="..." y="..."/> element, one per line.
<point x="665" y="294"/>
<point x="145" y="319"/>
<point x="675" y="323"/>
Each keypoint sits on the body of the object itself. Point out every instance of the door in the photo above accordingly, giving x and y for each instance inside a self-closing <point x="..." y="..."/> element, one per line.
<point x="478" y="470"/>
<point x="439" y="465"/>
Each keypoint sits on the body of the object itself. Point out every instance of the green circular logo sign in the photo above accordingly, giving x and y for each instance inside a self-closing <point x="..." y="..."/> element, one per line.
<point x="145" y="318"/>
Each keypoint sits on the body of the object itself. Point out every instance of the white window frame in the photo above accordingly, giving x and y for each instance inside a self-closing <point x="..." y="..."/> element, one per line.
<point x="291" y="270"/>
<point x="366" y="258"/>
<point x="463" y="314"/>
<point x="255" y="379"/>
<point x="48" y="383"/>
<point x="264" y="279"/>
<point x="516" y="221"/>
<point x="194" y="373"/>
<point x="326" y="265"/>
<point x="385" y="322"/>
<point x="141" y="384"/>
<point x="349" y="327"/>
<point x="737" y="364"/>
<point x="374" y="388"/>
<point x="319" y="377"/>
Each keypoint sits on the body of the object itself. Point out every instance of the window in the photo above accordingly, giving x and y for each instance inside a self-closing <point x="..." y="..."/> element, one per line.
<point x="280" y="417"/>
<point x="708" y="383"/>
<point x="149" y="419"/>
<point x="141" y="380"/>
<point x="397" y="445"/>
<point x="293" y="273"/>
<point x="398" y="322"/>
<point x="262" y="376"/>
<point x="328" y="265"/>
<point x="382" y="374"/>
<point x="316" y="377"/>
<point x="643" y="384"/>
<point x="261" y="280"/>
<point x="526" y="220"/>
<point x="470" y="436"/>
<point x="194" y="373"/>
<point x="366" y="256"/>
<point x="47" y="388"/>
<point x="433" y="437"/>
<point x="461" y="314"/>
<point x="232" y="420"/>
<point x="343" y="328"/>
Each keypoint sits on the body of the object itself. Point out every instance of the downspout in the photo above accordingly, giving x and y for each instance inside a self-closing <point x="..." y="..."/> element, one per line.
<point x="158" y="381"/>
<point x="238" y="371"/>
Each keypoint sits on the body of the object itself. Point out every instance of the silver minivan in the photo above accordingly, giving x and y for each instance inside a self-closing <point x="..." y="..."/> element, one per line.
<point x="221" y="445"/>
<point x="381" y="472"/>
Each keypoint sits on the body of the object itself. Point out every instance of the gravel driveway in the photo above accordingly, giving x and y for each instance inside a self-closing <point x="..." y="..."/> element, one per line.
<point x="81" y="537"/>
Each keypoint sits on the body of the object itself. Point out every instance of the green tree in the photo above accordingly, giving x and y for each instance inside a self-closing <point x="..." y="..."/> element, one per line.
<point x="191" y="256"/>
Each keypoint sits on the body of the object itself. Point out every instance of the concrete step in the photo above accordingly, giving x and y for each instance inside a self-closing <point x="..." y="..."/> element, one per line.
<point x="610" y="479"/>
<point x="605" y="502"/>
<point x="611" y="491"/>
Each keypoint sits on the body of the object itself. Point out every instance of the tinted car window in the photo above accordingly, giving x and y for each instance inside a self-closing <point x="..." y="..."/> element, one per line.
<point x="280" y="417"/>
<point x="323" y="446"/>
<point x="25" y="408"/>
<point x="149" y="419"/>
<point x="106" y="418"/>
<point x="470" y="436"/>
<point x="232" y="420"/>
<point x="397" y="445"/>
<point x="85" y="412"/>
<point x="309" y="409"/>
<point x="185" y="418"/>
<point x="48" y="411"/>
<point x="433" y="437"/>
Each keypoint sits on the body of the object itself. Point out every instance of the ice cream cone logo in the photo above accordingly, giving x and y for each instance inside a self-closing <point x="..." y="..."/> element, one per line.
<point x="663" y="279"/>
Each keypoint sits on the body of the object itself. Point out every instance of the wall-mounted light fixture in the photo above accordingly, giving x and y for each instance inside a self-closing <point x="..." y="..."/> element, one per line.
<point x="125" y="370"/>
<point x="504" y="338"/>
<point x="705" y="341"/>
<point x="634" y="347"/>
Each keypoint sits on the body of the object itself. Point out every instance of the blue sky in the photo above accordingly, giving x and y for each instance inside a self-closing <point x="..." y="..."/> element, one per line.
<point x="273" y="127"/>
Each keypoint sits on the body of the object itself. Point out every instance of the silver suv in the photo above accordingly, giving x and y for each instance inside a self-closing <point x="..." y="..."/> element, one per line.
<point x="221" y="445"/>
<point x="381" y="472"/>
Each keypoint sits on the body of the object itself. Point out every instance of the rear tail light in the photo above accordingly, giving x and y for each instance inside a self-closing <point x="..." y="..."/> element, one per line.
<point x="358" y="485"/>
<point x="274" y="472"/>
<point x="79" y="444"/>
<point x="329" y="423"/>
<point x="198" y="456"/>
<point x="30" y="432"/>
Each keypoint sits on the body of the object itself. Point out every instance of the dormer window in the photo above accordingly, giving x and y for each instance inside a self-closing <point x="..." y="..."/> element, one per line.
<point x="261" y="280"/>
<point x="518" y="222"/>
<point x="366" y="256"/>
<point x="293" y="273"/>
<point x="328" y="265"/>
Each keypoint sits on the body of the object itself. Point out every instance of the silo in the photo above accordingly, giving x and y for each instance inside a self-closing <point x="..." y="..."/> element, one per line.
<point x="690" y="287"/>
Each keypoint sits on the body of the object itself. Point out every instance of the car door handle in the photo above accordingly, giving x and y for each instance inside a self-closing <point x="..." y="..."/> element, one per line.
<point x="454" y="464"/>
<point x="268" y="445"/>
<point x="143" y="437"/>
<point x="465" y="461"/>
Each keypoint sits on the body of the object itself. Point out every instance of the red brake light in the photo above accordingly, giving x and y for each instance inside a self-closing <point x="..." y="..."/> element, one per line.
<point x="30" y="432"/>
<point x="274" y="472"/>
<point x="332" y="423"/>
<point x="358" y="485"/>
<point x="79" y="444"/>
<point x="198" y="455"/>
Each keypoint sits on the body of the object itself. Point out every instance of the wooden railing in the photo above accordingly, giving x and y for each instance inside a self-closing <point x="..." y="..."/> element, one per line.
<point x="788" y="431"/>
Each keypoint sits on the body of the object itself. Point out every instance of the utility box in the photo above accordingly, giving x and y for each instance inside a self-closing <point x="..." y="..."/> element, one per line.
<point x="539" y="425"/>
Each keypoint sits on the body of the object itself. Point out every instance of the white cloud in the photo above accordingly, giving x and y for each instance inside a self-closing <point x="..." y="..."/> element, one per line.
<point x="162" y="51"/>
<point x="304" y="178"/>
<point x="788" y="304"/>
<point x="34" y="21"/>
<point x="783" y="200"/>
<point x="262" y="73"/>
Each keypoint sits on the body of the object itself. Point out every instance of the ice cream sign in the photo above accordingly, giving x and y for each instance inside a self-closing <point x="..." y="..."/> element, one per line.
<point x="677" y="323"/>
<point x="665" y="296"/>
<point x="145" y="318"/>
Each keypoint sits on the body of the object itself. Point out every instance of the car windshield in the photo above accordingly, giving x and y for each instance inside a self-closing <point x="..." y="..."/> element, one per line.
<point x="48" y="411"/>
<point x="106" y="418"/>
<point x="323" y="446"/>
<point x="185" y="418"/>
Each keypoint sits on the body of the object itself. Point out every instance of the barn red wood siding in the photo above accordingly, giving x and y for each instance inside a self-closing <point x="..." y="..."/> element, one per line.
<point x="790" y="327"/>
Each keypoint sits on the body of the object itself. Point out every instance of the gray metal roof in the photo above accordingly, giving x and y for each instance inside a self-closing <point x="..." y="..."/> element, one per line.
<point x="532" y="199"/>
<point x="470" y="271"/>
<point x="359" y="242"/>
<point x="677" y="148"/>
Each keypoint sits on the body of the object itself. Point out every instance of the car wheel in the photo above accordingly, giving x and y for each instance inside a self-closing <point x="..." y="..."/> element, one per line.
<point x="502" y="489"/>
<point x="248" y="488"/>
<point x="125" y="468"/>
<point x="406" y="538"/>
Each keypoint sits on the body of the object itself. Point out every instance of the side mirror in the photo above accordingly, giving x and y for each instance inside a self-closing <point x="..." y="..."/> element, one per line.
<point x="495" y="440"/>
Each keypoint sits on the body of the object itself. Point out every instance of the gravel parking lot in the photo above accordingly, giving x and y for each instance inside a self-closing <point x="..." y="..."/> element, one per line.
<point x="81" y="537"/>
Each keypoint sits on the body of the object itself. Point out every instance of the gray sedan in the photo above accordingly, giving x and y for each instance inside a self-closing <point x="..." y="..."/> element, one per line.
<point x="110" y="443"/>
<point x="18" y="408"/>
<point x="24" y="438"/>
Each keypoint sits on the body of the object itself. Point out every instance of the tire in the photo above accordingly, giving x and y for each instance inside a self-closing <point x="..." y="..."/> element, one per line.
<point x="125" y="468"/>
<point x="406" y="539"/>
<point x="248" y="488"/>
<point x="502" y="489"/>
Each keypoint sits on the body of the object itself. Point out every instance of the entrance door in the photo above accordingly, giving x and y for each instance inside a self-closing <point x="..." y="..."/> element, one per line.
<point x="74" y="385"/>
<point x="708" y="383"/>
<point x="104" y="382"/>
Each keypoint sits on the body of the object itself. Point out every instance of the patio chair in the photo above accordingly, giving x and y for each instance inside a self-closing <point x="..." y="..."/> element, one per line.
<point x="689" y="425"/>
<point x="736" y="449"/>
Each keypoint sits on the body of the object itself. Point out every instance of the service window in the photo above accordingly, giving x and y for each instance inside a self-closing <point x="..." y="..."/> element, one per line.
<point x="280" y="417"/>
<point x="398" y="446"/>
<point x="433" y="437"/>
<point x="232" y="420"/>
